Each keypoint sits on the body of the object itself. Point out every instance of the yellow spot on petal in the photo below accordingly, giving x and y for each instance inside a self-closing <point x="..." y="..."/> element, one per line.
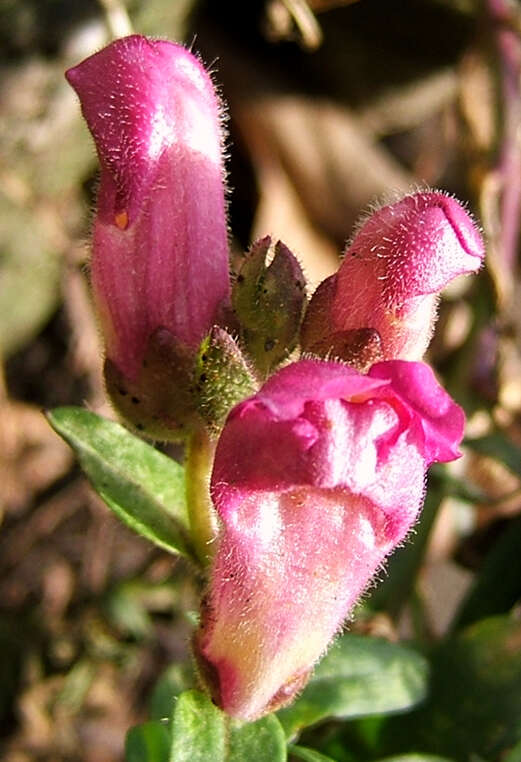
<point x="121" y="220"/>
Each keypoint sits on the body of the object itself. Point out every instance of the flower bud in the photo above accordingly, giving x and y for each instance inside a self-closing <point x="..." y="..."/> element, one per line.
<point x="316" y="479"/>
<point x="160" y="251"/>
<point x="269" y="303"/>
<point x="389" y="281"/>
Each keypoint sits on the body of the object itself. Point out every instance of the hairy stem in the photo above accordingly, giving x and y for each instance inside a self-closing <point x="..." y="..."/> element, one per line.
<point x="203" y="519"/>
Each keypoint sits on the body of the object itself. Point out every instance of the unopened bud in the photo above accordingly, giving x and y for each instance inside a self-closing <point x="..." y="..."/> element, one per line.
<point x="269" y="303"/>
<point x="221" y="377"/>
<point x="159" y="263"/>
<point x="391" y="276"/>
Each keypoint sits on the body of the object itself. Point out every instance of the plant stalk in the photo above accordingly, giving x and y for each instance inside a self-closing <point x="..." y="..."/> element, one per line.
<point x="202" y="515"/>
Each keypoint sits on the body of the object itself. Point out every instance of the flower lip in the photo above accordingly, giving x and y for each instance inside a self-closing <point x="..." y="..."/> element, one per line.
<point x="414" y="247"/>
<point x="285" y="394"/>
<point x="286" y="432"/>
<point x="440" y="419"/>
<point x="461" y="223"/>
<point x="410" y="387"/>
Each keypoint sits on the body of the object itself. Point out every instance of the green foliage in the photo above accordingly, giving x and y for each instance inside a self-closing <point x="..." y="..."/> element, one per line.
<point x="359" y="676"/>
<point x="149" y="742"/>
<point x="201" y="732"/>
<point x="263" y="740"/>
<point x="177" y="678"/>
<point x="143" y="487"/>
<point x="514" y="754"/>
<point x="474" y="706"/>
<point x="198" y="730"/>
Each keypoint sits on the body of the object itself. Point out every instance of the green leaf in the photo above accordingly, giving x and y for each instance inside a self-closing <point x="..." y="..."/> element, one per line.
<point x="360" y="676"/>
<point x="149" y="742"/>
<point x="143" y="487"/>
<point x="177" y="678"/>
<point x="498" y="584"/>
<point x="202" y="733"/>
<point x="198" y="730"/>
<point x="262" y="741"/>
<point x="308" y="755"/>
<point x="474" y="706"/>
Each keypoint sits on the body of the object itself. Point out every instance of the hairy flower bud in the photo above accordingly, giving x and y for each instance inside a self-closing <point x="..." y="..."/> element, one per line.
<point x="316" y="479"/>
<point x="160" y="250"/>
<point x="389" y="281"/>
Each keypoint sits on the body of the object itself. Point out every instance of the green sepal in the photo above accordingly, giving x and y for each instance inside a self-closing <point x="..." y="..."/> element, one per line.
<point x="269" y="303"/>
<point x="159" y="403"/>
<point x="222" y="378"/>
<point x="360" y="348"/>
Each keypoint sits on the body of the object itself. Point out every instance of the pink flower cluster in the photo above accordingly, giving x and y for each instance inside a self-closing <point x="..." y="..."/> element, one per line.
<point x="320" y="474"/>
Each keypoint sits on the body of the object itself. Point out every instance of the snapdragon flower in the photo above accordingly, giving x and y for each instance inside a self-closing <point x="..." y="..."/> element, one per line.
<point x="317" y="478"/>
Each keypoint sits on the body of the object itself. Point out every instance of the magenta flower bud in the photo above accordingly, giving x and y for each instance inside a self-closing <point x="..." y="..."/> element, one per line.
<point x="316" y="479"/>
<point x="160" y="249"/>
<point x="389" y="281"/>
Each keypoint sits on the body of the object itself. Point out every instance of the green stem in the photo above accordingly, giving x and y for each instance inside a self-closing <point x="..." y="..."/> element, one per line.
<point x="203" y="519"/>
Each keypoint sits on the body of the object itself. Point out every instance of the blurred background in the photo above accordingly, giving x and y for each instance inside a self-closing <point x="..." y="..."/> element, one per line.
<point x="330" y="105"/>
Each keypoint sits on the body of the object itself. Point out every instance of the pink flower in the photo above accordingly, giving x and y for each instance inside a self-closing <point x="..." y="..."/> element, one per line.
<point x="385" y="292"/>
<point x="160" y="251"/>
<point x="316" y="479"/>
